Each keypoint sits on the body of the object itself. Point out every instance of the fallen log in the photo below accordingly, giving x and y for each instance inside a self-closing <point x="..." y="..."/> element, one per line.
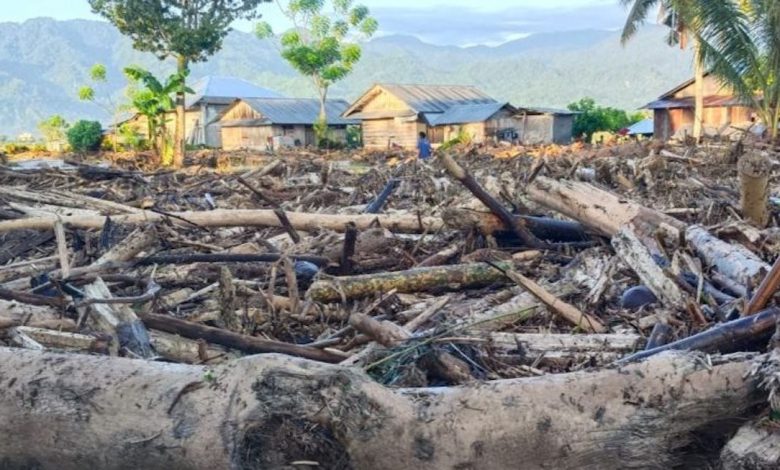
<point x="70" y="412"/>
<point x="455" y="277"/>
<point x="563" y="309"/>
<point x="722" y="338"/>
<point x="606" y="213"/>
<point x="240" y="218"/>
<point x="376" y="205"/>
<point x="467" y="180"/>
<point x="229" y="339"/>
<point x="545" y="228"/>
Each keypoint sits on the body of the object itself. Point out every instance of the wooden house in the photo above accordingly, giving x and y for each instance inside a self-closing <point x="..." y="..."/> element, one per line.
<point x="260" y="123"/>
<point x="203" y="108"/>
<point x="545" y="126"/>
<point x="393" y="114"/>
<point x="673" y="112"/>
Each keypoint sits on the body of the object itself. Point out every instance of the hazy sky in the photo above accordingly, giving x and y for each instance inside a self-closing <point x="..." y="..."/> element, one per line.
<point x="455" y="22"/>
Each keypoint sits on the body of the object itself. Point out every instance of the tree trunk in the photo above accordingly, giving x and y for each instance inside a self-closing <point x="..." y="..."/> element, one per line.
<point x="401" y="223"/>
<point x="754" y="171"/>
<point x="70" y="412"/>
<point x="459" y="276"/>
<point x="698" y="110"/>
<point x="607" y="213"/>
<point x="180" y="134"/>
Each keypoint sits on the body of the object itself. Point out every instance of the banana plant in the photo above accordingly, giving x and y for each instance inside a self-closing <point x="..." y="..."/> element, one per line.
<point x="154" y="100"/>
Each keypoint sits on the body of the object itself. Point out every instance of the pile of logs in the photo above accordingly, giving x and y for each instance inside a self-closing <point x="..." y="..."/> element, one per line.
<point x="377" y="309"/>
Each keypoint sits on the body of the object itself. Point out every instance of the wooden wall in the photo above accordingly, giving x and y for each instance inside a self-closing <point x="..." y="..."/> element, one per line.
<point x="256" y="137"/>
<point x="381" y="133"/>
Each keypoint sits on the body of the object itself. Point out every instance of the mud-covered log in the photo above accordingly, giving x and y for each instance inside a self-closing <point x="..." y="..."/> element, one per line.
<point x="239" y="218"/>
<point x="455" y="277"/>
<point x="754" y="447"/>
<point x="70" y="412"/>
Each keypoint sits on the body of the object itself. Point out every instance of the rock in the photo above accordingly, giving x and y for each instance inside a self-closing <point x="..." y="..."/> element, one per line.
<point x="637" y="297"/>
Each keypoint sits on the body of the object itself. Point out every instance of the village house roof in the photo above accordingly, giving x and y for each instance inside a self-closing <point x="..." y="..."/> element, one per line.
<point x="464" y="113"/>
<point x="225" y="90"/>
<point x="540" y="110"/>
<point x="289" y="111"/>
<point x="426" y="100"/>
<point x="670" y="100"/>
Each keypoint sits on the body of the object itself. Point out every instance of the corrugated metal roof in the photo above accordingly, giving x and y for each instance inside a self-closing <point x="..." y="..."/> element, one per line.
<point x="464" y="113"/>
<point x="225" y="90"/>
<point x="301" y="111"/>
<point x="436" y="98"/>
<point x="643" y="127"/>
<point x="709" y="102"/>
<point x="541" y="110"/>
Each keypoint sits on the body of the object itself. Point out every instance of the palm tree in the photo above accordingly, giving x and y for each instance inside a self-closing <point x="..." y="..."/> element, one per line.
<point x="740" y="42"/>
<point x="678" y="16"/>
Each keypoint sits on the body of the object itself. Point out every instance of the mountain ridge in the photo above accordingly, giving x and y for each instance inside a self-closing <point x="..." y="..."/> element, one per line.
<point x="44" y="61"/>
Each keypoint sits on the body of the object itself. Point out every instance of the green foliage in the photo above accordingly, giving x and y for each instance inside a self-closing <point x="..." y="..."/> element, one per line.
<point x="593" y="118"/>
<point x="740" y="43"/>
<point x="318" y="47"/>
<point x="462" y="138"/>
<point x="193" y="30"/>
<point x="98" y="73"/>
<point x="354" y="137"/>
<point x="131" y="138"/>
<point x="85" y="136"/>
<point x="54" y="128"/>
<point x="152" y="99"/>
<point x="87" y="93"/>
<point x="14" y="148"/>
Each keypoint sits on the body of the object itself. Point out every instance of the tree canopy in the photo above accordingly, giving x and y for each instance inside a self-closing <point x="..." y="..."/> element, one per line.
<point x="592" y="118"/>
<point x="193" y="29"/>
<point x="320" y="46"/>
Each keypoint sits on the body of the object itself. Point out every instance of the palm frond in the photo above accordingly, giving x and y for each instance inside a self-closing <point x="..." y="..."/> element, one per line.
<point x="637" y="16"/>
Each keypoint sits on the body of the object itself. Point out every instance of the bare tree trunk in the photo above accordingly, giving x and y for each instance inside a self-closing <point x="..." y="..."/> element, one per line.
<point x="71" y="412"/>
<point x="698" y="111"/>
<point x="754" y="171"/>
<point x="179" y="135"/>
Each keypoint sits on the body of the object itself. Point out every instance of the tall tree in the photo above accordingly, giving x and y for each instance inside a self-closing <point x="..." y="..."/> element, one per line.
<point x="679" y="17"/>
<point x="740" y="42"/>
<point x="320" y="46"/>
<point x="185" y="30"/>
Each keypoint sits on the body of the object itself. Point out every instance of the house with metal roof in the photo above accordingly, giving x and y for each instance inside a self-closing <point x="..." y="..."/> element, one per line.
<point x="263" y="123"/>
<point x="673" y="112"/>
<point x="394" y="114"/>
<point x="545" y="125"/>
<point x="212" y="96"/>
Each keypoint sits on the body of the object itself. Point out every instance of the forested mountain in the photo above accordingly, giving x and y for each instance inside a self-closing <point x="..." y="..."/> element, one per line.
<point x="43" y="62"/>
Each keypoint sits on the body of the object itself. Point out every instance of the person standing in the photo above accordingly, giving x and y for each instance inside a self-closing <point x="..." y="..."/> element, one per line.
<point x="423" y="147"/>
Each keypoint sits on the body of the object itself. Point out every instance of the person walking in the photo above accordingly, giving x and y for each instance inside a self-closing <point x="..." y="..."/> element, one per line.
<point x="423" y="147"/>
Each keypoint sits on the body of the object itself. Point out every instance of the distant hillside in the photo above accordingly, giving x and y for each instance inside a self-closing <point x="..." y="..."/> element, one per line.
<point x="43" y="62"/>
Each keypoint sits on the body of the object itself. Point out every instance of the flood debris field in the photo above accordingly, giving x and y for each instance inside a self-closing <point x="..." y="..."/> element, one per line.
<point x="390" y="264"/>
<point x="482" y="264"/>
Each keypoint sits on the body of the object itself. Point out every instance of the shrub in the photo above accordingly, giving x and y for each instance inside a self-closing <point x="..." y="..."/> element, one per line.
<point x="85" y="136"/>
<point x="13" y="148"/>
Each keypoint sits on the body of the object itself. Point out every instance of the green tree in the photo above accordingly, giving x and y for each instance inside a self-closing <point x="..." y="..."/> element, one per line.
<point x="153" y="100"/>
<point x="99" y="94"/>
<point x="319" y="46"/>
<point x="680" y="17"/>
<point x="592" y="118"/>
<point x="85" y="136"/>
<point x="54" y="129"/>
<point x="185" y="30"/>
<point x="741" y="45"/>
